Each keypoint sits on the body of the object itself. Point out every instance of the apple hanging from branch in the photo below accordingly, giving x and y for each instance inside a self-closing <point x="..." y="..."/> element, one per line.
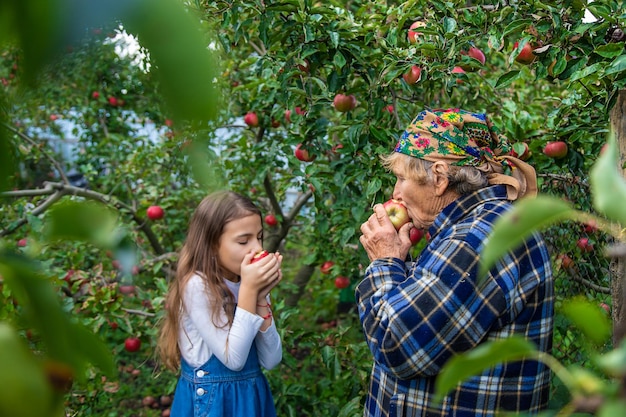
<point x="251" y="119"/>
<point x="557" y="149"/>
<point x="271" y="220"/>
<point x="303" y="154"/>
<point x="413" y="75"/>
<point x="344" y="102"/>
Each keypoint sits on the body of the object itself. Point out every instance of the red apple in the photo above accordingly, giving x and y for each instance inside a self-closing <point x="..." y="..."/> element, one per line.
<point x="584" y="245"/>
<point x="526" y="55"/>
<point x="113" y="101"/>
<point x="271" y="220"/>
<point x="397" y="213"/>
<point x="132" y="344"/>
<point x="564" y="261"/>
<point x="326" y="267"/>
<point x="53" y="117"/>
<point x="287" y="116"/>
<point x="168" y="122"/>
<point x="22" y="242"/>
<point x="389" y="109"/>
<point x="95" y="95"/>
<point x="342" y="282"/>
<point x="127" y="289"/>
<point x="300" y="111"/>
<point x="302" y="154"/>
<point x="415" y="235"/>
<point x="155" y="213"/>
<point x="590" y="227"/>
<point x="275" y="123"/>
<point x="344" y="102"/>
<point x="413" y="75"/>
<point x="251" y="119"/>
<point x="413" y="35"/>
<point x="606" y="307"/>
<point x="556" y="149"/>
<point x="259" y="255"/>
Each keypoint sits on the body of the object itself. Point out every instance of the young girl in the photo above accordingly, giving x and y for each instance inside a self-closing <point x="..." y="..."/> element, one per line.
<point x="218" y="326"/>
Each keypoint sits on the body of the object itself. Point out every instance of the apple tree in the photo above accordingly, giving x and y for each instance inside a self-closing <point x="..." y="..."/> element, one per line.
<point x="310" y="93"/>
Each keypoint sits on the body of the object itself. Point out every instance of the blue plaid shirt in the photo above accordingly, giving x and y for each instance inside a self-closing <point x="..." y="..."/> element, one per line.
<point x="416" y="317"/>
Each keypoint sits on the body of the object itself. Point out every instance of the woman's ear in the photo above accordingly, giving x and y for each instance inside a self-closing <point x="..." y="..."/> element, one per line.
<point x="440" y="177"/>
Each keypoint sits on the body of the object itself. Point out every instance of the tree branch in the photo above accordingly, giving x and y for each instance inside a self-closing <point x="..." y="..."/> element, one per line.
<point x="60" y="189"/>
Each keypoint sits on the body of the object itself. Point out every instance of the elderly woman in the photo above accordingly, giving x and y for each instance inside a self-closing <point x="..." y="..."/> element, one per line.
<point x="456" y="178"/>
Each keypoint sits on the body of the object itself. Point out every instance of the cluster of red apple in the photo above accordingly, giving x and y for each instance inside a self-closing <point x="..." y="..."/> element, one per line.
<point x="341" y="281"/>
<point x="251" y="119"/>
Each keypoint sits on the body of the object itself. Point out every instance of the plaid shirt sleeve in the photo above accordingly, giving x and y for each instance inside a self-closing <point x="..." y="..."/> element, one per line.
<point x="414" y="321"/>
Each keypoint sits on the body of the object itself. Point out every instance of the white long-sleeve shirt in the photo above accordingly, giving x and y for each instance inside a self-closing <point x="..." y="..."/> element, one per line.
<point x="199" y="338"/>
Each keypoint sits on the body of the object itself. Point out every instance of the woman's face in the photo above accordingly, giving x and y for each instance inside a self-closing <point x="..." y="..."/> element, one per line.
<point x="239" y="238"/>
<point x="424" y="201"/>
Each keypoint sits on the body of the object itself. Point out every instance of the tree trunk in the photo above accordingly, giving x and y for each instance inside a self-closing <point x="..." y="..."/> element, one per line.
<point x="300" y="280"/>
<point x="618" y="126"/>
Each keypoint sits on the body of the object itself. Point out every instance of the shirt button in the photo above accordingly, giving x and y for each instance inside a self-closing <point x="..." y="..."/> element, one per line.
<point x="200" y="373"/>
<point x="200" y="391"/>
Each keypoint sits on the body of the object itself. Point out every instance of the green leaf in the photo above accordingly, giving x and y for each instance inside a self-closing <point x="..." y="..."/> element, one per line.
<point x="86" y="221"/>
<point x="449" y="25"/>
<point x="339" y="60"/>
<point x="473" y="362"/>
<point x="618" y="65"/>
<point x="589" y="318"/>
<point x="612" y="408"/>
<point x="507" y="78"/>
<point x="373" y="187"/>
<point x="185" y="66"/>
<point x="610" y="50"/>
<point x="527" y="216"/>
<point x="586" y="71"/>
<point x="608" y="188"/>
<point x="43" y="312"/>
<point x="516" y="26"/>
<point x="614" y="362"/>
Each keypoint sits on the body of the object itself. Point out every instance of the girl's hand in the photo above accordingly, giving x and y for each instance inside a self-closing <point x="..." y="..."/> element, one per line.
<point x="262" y="274"/>
<point x="263" y="292"/>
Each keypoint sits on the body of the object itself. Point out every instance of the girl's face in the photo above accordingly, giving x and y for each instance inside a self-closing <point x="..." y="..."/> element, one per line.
<point x="239" y="238"/>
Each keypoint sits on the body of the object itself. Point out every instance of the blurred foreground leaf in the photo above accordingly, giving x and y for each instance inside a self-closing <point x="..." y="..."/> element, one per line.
<point x="65" y="340"/>
<point x="25" y="390"/>
<point x="482" y="357"/>
<point x="184" y="64"/>
<point x="608" y="188"/>
<point x="87" y="221"/>
<point x="526" y="217"/>
<point x="589" y="318"/>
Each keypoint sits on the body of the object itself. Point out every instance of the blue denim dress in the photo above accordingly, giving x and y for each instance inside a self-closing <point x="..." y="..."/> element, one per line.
<point x="213" y="390"/>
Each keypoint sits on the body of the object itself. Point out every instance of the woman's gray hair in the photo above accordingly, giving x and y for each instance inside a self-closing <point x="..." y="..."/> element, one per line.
<point x="462" y="179"/>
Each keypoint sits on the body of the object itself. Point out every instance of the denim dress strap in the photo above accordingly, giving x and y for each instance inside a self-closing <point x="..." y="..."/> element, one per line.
<point x="213" y="390"/>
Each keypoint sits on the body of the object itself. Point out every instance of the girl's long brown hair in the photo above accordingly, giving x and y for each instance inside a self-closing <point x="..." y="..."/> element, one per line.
<point x="199" y="255"/>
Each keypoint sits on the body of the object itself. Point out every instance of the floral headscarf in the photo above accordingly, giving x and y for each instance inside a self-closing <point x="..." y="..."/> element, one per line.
<point x="460" y="137"/>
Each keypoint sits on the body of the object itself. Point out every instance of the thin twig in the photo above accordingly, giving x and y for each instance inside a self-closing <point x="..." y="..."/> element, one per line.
<point x="52" y="160"/>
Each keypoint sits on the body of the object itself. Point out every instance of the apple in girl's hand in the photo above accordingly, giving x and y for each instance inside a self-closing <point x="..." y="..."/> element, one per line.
<point x="397" y="213"/>
<point x="259" y="255"/>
